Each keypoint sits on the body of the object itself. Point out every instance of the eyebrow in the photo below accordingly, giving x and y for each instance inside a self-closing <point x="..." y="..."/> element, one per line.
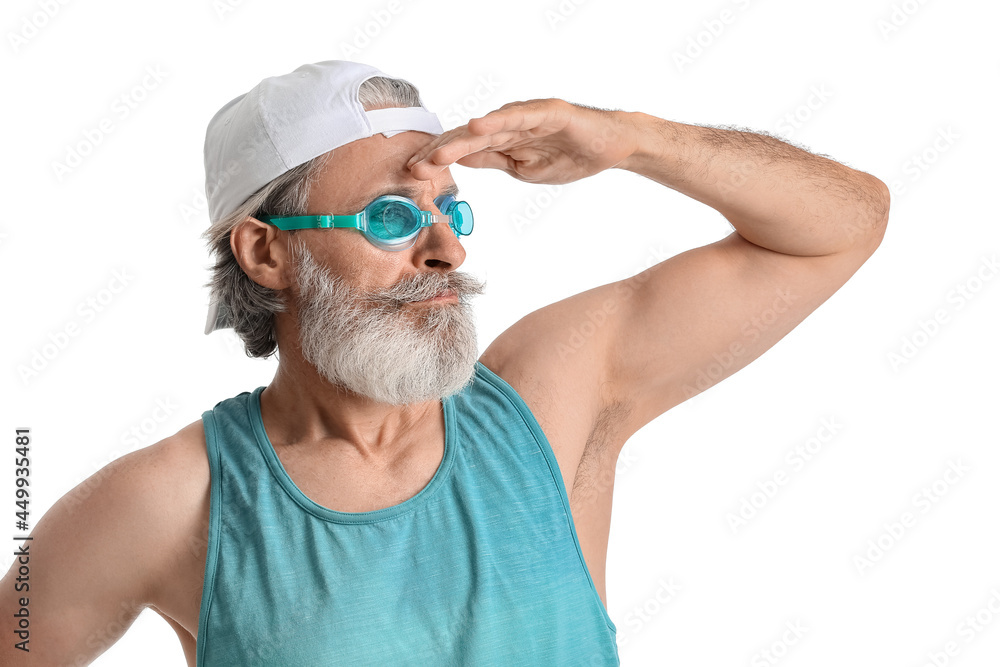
<point x="408" y="191"/>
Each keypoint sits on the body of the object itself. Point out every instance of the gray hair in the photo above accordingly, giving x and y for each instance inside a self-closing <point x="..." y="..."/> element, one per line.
<point x="250" y="307"/>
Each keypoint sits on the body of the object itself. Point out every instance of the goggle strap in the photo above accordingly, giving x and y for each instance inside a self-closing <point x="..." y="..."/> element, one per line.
<point x="312" y="221"/>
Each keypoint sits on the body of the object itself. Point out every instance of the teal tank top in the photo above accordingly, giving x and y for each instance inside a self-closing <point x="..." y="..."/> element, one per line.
<point x="481" y="567"/>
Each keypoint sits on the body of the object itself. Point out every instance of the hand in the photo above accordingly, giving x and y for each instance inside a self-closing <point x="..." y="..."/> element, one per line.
<point x="538" y="141"/>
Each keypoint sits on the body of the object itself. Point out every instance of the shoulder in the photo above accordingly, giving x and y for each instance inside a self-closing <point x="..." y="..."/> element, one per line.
<point x="113" y="544"/>
<point x="157" y="500"/>
<point x="181" y="458"/>
<point x="162" y="474"/>
<point x="175" y="475"/>
<point x="558" y="367"/>
<point x="166" y="484"/>
<point x="156" y="476"/>
<point x="177" y="478"/>
<point x="558" y="356"/>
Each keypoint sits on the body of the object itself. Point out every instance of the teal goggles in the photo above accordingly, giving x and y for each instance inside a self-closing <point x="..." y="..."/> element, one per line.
<point x="390" y="222"/>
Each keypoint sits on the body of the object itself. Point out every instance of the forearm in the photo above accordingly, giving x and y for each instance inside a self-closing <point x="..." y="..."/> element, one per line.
<point x="775" y="195"/>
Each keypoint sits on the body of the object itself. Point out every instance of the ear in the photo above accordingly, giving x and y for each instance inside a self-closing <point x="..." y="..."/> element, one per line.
<point x="262" y="251"/>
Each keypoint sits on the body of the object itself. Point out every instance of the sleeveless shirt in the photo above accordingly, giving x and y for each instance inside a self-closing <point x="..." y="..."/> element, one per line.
<point x="481" y="567"/>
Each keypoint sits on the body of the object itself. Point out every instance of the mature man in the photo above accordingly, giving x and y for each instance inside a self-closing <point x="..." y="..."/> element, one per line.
<point x="390" y="498"/>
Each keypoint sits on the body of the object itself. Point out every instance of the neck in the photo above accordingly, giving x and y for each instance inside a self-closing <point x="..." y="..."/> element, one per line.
<point x="300" y="407"/>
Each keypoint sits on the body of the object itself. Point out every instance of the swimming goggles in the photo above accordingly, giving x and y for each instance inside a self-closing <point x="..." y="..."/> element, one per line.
<point x="390" y="222"/>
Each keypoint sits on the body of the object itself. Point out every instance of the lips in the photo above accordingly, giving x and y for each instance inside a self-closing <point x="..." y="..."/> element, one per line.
<point x="441" y="296"/>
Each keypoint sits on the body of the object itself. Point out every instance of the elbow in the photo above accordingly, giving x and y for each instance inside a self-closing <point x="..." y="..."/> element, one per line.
<point x="884" y="199"/>
<point x="875" y="215"/>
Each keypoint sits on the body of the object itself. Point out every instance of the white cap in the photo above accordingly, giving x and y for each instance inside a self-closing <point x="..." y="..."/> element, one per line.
<point x="285" y="121"/>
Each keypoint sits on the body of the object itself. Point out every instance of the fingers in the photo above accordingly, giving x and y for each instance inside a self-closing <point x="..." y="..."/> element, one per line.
<point x="461" y="142"/>
<point x="430" y="160"/>
<point x="479" y="160"/>
<point x="433" y="144"/>
<point x="518" y="117"/>
<point x="488" y="160"/>
<point x="510" y="122"/>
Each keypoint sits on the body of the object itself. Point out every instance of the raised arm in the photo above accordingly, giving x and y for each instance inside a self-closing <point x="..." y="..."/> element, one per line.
<point x="804" y="224"/>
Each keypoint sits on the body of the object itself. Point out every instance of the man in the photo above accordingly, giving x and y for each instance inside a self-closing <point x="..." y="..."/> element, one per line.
<point x="391" y="497"/>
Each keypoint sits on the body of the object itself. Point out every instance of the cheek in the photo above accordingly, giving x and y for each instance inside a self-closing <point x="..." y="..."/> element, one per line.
<point x="370" y="268"/>
<point x="359" y="262"/>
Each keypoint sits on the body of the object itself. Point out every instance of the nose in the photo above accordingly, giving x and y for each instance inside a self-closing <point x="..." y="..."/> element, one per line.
<point x="437" y="246"/>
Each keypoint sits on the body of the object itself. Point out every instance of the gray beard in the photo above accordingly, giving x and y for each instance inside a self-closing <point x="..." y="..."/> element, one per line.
<point x="375" y="345"/>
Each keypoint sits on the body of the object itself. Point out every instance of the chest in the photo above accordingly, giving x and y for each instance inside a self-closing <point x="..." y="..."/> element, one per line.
<point x="346" y="484"/>
<point x="350" y="486"/>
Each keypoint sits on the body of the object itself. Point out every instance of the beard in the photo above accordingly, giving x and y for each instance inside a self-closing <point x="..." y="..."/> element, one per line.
<point x="376" y="345"/>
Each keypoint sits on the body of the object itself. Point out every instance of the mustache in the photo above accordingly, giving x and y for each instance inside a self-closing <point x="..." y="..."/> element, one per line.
<point x="420" y="286"/>
<point x="415" y="287"/>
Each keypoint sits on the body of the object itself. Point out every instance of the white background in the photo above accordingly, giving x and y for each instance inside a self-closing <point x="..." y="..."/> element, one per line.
<point x="887" y="92"/>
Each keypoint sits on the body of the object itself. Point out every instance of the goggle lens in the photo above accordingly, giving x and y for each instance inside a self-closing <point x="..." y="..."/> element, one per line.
<point x="392" y="220"/>
<point x="461" y="216"/>
<point x="460" y="212"/>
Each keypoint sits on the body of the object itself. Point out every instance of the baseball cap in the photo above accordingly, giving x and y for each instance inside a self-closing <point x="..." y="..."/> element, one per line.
<point x="285" y="121"/>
